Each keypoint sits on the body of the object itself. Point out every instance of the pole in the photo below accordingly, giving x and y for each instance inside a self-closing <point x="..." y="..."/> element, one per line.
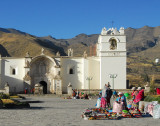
<point x="113" y="82"/>
<point x="89" y="86"/>
<point x="89" y="79"/>
<point x="113" y="76"/>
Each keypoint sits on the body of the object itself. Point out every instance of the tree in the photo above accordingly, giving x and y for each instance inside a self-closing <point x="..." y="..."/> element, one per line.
<point x="152" y="85"/>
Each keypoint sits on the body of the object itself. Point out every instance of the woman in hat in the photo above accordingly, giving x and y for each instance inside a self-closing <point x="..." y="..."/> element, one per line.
<point x="105" y="93"/>
<point x="134" y="93"/>
<point x="140" y="95"/>
<point x="120" y="103"/>
<point x="122" y="99"/>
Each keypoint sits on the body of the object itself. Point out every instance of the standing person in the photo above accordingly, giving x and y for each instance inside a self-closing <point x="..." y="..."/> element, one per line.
<point x="106" y="95"/>
<point x="103" y="98"/>
<point x="109" y="94"/>
<point x="25" y="91"/>
<point x="134" y="93"/>
<point x="140" y="96"/>
<point x="33" y="90"/>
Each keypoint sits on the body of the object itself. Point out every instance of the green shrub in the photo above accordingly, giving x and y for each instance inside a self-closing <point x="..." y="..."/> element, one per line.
<point x="150" y="98"/>
<point x="4" y="96"/>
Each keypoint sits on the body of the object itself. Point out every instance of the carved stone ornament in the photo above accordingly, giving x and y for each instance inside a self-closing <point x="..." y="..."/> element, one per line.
<point x="57" y="77"/>
<point x="27" y="64"/>
<point x="85" y="54"/>
<point x="70" y="52"/>
<point x="42" y="51"/>
<point x="27" y="54"/>
<point x="27" y="77"/>
<point x="57" y="54"/>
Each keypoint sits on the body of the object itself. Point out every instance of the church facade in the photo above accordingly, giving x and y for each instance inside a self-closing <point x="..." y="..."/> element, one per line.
<point x="56" y="73"/>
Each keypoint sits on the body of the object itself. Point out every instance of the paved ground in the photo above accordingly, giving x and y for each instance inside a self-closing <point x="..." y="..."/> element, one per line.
<point x="55" y="111"/>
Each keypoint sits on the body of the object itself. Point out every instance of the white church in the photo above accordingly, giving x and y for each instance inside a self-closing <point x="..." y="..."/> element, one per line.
<point x="56" y="73"/>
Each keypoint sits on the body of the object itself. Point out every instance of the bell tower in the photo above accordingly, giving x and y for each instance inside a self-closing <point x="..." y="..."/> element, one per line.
<point x="111" y="48"/>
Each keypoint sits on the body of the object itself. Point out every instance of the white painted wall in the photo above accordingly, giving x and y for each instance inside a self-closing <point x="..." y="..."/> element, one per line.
<point x="113" y="65"/>
<point x="15" y="81"/>
<point x="75" y="79"/>
<point x="112" y="61"/>
<point x="85" y="70"/>
<point x="94" y="72"/>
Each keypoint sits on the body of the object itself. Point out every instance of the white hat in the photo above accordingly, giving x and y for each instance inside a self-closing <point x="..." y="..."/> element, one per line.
<point x="139" y="88"/>
<point x="133" y="88"/>
<point x="120" y="93"/>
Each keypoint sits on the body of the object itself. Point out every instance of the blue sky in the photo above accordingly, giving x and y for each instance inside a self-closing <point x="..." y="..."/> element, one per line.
<point x="68" y="18"/>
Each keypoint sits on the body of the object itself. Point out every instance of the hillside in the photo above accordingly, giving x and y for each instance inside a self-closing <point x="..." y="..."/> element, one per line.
<point x="16" y="43"/>
<point x="143" y="46"/>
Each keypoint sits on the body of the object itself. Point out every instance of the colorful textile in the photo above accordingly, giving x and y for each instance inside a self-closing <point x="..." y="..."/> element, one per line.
<point x="122" y="99"/>
<point x="140" y="96"/>
<point x="104" y="92"/>
<point x="158" y="91"/>
<point x="117" y="107"/>
<point x="150" y="109"/>
<point x="126" y="94"/>
<point x="114" y="92"/>
<point x="156" y="111"/>
<point x="98" y="105"/>
<point x="103" y="102"/>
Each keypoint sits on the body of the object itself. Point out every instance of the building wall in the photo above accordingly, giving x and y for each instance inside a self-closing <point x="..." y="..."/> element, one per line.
<point x="85" y="70"/>
<point x="94" y="72"/>
<point x="15" y="81"/>
<point x="113" y="65"/>
<point x="76" y="78"/>
<point x="112" y="61"/>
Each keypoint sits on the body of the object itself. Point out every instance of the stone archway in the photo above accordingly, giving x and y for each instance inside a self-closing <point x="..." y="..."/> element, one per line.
<point x="42" y="70"/>
<point x="44" y="84"/>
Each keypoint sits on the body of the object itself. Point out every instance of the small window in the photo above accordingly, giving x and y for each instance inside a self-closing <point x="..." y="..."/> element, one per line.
<point x="71" y="71"/>
<point x="13" y="71"/>
<point x="59" y="72"/>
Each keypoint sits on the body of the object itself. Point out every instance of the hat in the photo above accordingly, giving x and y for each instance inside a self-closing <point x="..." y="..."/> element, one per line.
<point x="120" y="93"/>
<point x="139" y="88"/>
<point x="108" y="85"/>
<point x="133" y="88"/>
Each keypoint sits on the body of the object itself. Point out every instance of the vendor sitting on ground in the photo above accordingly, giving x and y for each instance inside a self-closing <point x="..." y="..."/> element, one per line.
<point x="74" y="93"/>
<point x="122" y="100"/>
<point x="81" y="95"/>
<point x="140" y="96"/>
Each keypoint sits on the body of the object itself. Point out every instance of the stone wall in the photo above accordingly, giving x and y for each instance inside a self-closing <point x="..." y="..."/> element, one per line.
<point x="96" y="91"/>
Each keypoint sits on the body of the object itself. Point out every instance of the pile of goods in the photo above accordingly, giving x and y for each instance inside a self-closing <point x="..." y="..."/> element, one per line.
<point x="99" y="114"/>
<point x="105" y="114"/>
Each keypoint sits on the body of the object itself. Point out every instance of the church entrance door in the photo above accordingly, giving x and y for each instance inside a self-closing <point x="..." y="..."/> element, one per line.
<point x="44" y="84"/>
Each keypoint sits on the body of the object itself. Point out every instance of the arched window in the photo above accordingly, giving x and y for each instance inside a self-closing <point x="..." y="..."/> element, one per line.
<point x="113" y="44"/>
<point x="13" y="70"/>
